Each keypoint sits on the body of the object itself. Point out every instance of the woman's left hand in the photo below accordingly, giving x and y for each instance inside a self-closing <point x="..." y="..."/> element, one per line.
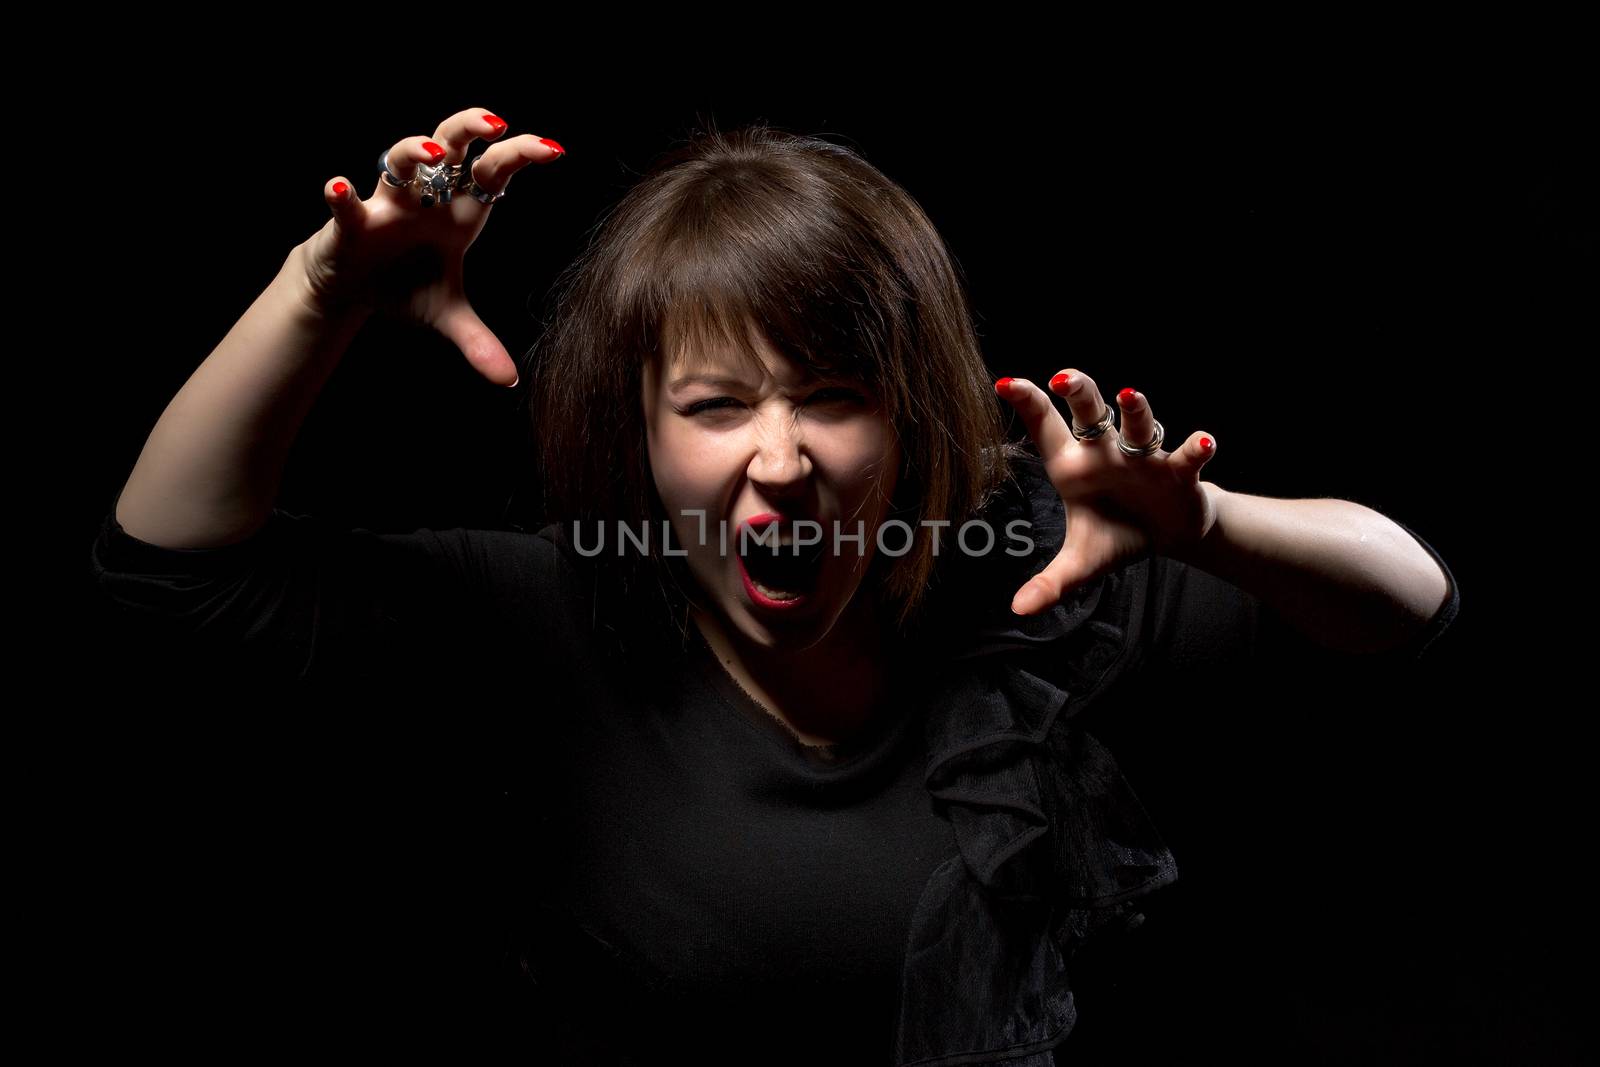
<point x="1119" y="507"/>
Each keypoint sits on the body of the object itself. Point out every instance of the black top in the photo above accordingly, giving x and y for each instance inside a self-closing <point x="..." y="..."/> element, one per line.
<point x="671" y="867"/>
<point x="751" y="885"/>
<point x="695" y="861"/>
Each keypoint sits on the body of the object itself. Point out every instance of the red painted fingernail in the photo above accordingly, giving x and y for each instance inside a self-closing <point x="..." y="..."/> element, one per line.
<point x="497" y="122"/>
<point x="1061" y="381"/>
<point x="339" y="188"/>
<point x="1127" y="394"/>
<point x="433" y="150"/>
<point x="1002" y="385"/>
<point x="1205" y="444"/>
<point x="548" y="143"/>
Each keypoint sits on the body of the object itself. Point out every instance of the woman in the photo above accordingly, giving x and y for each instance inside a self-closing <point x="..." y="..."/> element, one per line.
<point x="823" y="800"/>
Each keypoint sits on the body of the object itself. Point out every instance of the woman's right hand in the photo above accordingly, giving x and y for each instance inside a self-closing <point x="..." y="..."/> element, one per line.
<point x="388" y="253"/>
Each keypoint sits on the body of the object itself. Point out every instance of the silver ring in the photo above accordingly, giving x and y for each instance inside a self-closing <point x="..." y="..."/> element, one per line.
<point x="438" y="183"/>
<point x="391" y="179"/>
<point x="1097" y="430"/>
<point x="1144" y="450"/>
<point x="476" y="191"/>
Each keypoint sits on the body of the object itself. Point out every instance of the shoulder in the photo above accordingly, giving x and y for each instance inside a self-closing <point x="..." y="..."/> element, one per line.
<point x="970" y="614"/>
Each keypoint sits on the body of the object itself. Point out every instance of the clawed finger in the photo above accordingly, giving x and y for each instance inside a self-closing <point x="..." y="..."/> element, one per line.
<point x="458" y="131"/>
<point x="1044" y="423"/>
<point x="493" y="170"/>
<point x="1083" y="398"/>
<point x="342" y="200"/>
<point x="402" y="161"/>
<point x="1137" y="424"/>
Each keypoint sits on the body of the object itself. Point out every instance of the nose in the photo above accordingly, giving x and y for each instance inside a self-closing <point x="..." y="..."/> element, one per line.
<point x="781" y="465"/>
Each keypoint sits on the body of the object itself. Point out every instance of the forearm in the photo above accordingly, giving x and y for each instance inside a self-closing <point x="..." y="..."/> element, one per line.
<point x="210" y="469"/>
<point x="1340" y="572"/>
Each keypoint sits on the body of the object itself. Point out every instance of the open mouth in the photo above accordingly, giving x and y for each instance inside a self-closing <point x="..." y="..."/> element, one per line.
<point x="776" y="572"/>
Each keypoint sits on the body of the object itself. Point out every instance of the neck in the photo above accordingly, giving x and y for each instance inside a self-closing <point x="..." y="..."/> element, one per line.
<point x="824" y="693"/>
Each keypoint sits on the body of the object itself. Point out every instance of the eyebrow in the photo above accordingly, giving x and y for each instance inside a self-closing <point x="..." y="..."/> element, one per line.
<point x="719" y="381"/>
<point x="724" y="382"/>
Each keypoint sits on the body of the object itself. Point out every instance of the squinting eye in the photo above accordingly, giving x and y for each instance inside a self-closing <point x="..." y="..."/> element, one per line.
<point x="720" y="402"/>
<point x="708" y="405"/>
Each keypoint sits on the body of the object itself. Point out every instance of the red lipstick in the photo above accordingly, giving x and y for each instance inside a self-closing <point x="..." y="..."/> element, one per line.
<point x="762" y="600"/>
<point x="758" y="527"/>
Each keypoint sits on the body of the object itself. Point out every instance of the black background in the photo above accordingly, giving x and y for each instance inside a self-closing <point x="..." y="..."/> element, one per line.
<point x="1366" y="276"/>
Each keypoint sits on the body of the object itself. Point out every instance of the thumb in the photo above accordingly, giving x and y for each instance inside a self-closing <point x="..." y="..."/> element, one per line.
<point x="1045" y="589"/>
<point x="479" y="344"/>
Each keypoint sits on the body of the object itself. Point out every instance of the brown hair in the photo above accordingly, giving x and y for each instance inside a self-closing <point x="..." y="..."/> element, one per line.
<point x="840" y="270"/>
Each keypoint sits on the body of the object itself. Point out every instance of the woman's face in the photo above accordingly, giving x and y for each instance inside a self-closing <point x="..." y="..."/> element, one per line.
<point x="742" y="446"/>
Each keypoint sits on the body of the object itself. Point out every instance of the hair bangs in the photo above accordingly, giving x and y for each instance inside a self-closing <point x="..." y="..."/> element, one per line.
<point x="755" y="267"/>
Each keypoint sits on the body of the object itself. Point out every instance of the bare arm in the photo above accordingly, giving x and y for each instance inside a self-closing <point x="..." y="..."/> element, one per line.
<point x="1343" y="574"/>
<point x="210" y="470"/>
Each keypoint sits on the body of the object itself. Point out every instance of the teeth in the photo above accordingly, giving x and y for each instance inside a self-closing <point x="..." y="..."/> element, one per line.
<point x="775" y="594"/>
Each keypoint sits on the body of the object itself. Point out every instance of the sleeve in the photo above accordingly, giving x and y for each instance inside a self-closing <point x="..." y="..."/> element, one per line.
<point x="307" y="600"/>
<point x="1192" y="619"/>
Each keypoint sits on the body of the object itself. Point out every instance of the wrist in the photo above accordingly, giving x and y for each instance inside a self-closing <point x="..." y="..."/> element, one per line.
<point x="313" y="306"/>
<point x="1211" y="547"/>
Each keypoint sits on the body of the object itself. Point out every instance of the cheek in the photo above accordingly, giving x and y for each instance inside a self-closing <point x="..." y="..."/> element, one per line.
<point x="689" y="479"/>
<point x="682" y="463"/>
<point x="878" y="457"/>
<point x="670" y="454"/>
